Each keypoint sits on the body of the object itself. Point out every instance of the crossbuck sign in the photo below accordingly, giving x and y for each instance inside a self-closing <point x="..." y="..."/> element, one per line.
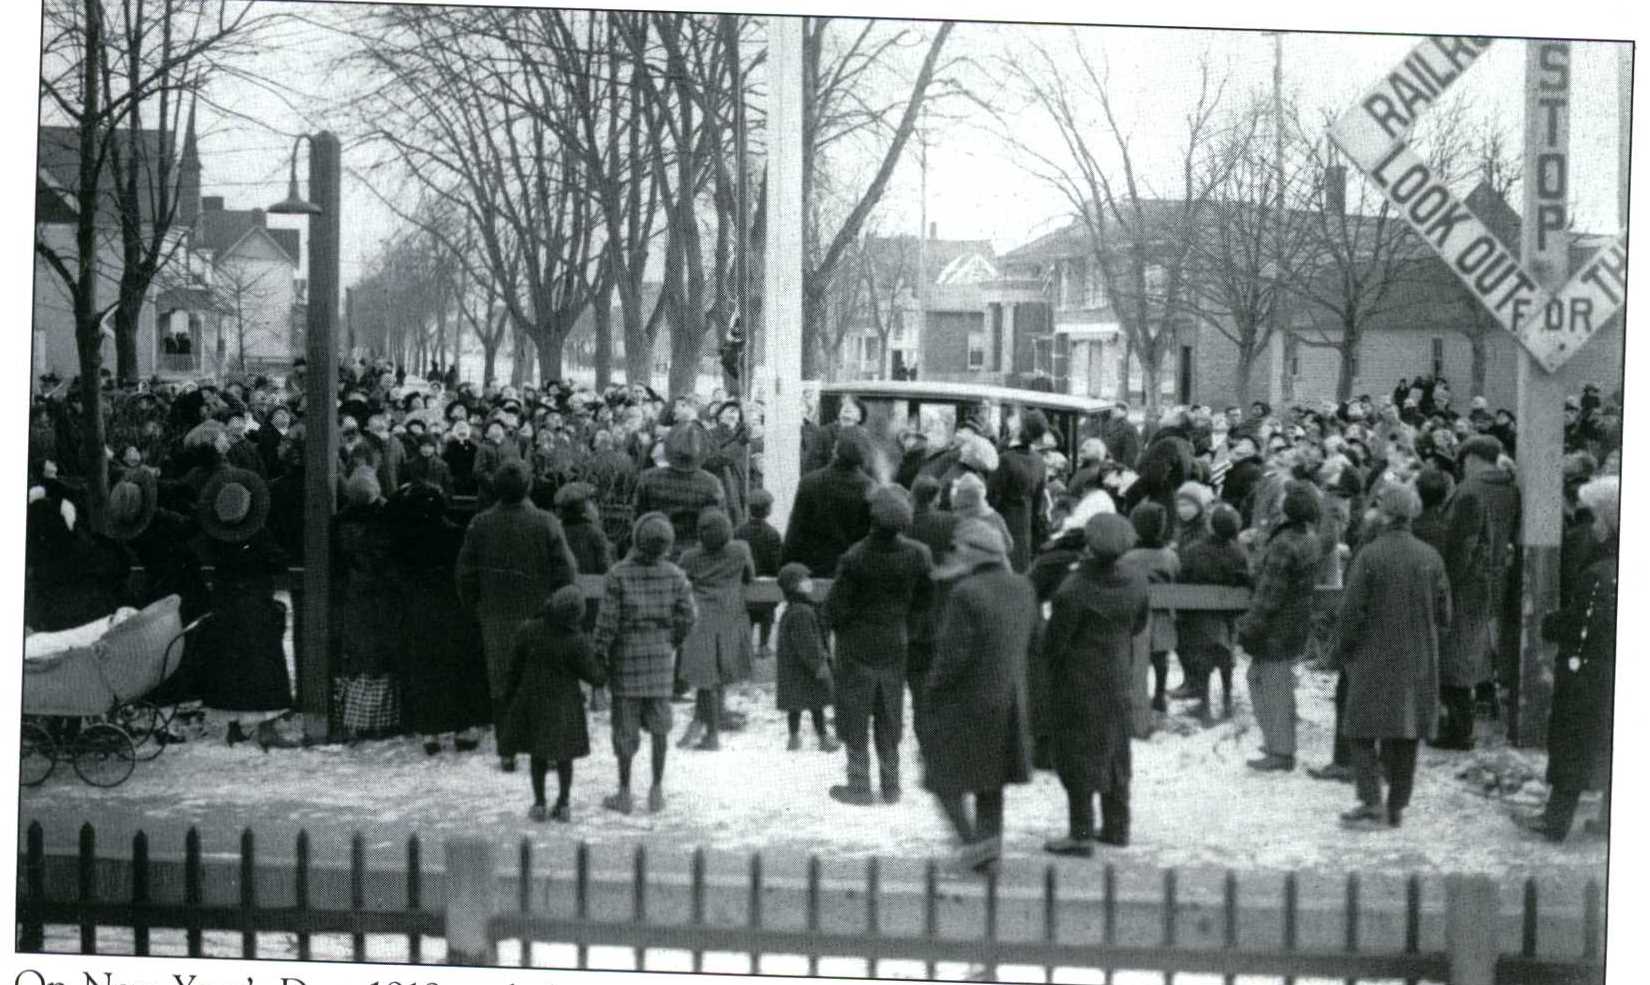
<point x="1375" y="135"/>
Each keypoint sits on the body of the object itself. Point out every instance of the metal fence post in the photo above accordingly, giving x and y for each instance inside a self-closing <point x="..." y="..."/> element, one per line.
<point x="472" y="888"/>
<point x="1472" y="908"/>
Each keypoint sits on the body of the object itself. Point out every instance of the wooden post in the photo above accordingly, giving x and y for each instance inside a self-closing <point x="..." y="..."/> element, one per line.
<point x="1546" y="252"/>
<point x="782" y="292"/>
<point x="320" y="437"/>
<point x="1472" y="912"/>
<point x="472" y="887"/>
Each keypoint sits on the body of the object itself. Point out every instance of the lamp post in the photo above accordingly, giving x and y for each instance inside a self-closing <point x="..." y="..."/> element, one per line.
<point x="313" y="611"/>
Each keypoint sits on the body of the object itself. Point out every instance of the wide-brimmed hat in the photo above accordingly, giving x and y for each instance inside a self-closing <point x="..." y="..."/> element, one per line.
<point x="131" y="506"/>
<point x="233" y="505"/>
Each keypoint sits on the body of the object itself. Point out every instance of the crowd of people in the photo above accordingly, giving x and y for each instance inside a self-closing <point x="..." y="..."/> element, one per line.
<point x="974" y="569"/>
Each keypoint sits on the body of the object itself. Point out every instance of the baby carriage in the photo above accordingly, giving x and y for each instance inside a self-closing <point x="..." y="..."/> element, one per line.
<point x="84" y="690"/>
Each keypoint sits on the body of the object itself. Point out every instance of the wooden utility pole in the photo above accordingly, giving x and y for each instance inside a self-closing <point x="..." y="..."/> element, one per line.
<point x="922" y="241"/>
<point x="1546" y="252"/>
<point x="782" y="293"/>
<point x="1274" y="389"/>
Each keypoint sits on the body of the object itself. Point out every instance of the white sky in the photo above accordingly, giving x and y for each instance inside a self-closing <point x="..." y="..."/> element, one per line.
<point x="975" y="188"/>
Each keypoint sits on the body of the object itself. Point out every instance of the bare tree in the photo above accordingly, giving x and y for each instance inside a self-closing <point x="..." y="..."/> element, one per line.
<point x="888" y="267"/>
<point x="243" y="291"/>
<point x="1142" y="243"/>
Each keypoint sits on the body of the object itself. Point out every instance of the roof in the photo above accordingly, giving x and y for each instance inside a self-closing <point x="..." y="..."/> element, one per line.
<point x="942" y="253"/>
<point x="1159" y="215"/>
<point x="971" y="393"/>
<point x="187" y="299"/>
<point x="59" y="159"/>
<point x="221" y="229"/>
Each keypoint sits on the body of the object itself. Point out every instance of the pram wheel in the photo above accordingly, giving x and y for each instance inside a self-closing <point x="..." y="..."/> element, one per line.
<point x="39" y="753"/>
<point x="104" y="755"/>
<point x="142" y="721"/>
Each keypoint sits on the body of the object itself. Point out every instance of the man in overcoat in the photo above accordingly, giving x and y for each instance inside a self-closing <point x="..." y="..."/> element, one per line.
<point x="875" y="605"/>
<point x="1016" y="491"/>
<point x="1395" y="605"/>
<point x="514" y="557"/>
<point x="681" y="489"/>
<point x="978" y="738"/>
<point x="830" y="512"/>
<point x="1089" y="650"/>
<point x="1275" y="629"/>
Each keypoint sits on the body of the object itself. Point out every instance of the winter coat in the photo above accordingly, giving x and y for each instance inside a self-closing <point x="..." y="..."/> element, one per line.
<point x="975" y="719"/>
<point x="73" y="577"/>
<point x="592" y="555"/>
<point x="1122" y="440"/>
<point x="717" y="650"/>
<point x="460" y="457"/>
<point x="487" y="461"/>
<point x="432" y="470"/>
<point x="1015" y="490"/>
<point x="1164" y="466"/>
<point x="1279" y="620"/>
<point x="1432" y="529"/>
<point x="1479" y="558"/>
<point x="365" y="591"/>
<point x="513" y="558"/>
<point x="767" y="547"/>
<point x="680" y="494"/>
<point x="1089" y="644"/>
<point x="829" y="515"/>
<point x="545" y="716"/>
<point x="1054" y="563"/>
<point x="443" y="670"/>
<point x="877" y="599"/>
<point x="1583" y="710"/>
<point x="804" y="646"/>
<point x="726" y="461"/>
<point x="246" y="666"/>
<point x="1241" y="480"/>
<point x="1209" y="562"/>
<point x="1157" y="566"/>
<point x="1395" y="605"/>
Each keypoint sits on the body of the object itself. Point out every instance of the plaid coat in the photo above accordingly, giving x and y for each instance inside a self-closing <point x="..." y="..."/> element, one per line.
<point x="680" y="495"/>
<point x="647" y="611"/>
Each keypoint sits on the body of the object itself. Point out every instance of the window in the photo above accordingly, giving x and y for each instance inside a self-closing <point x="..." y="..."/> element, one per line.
<point x="1157" y="280"/>
<point x="1094" y="294"/>
<point x="1042" y="355"/>
<point x="976" y="351"/>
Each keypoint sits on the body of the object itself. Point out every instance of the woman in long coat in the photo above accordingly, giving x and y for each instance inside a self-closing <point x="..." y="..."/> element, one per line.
<point x="1016" y="490"/>
<point x="1089" y="647"/>
<point x="545" y="717"/>
<point x="976" y="714"/>
<point x="717" y="651"/>
<point x="444" y="681"/>
<point x="1395" y="607"/>
<point x="365" y="591"/>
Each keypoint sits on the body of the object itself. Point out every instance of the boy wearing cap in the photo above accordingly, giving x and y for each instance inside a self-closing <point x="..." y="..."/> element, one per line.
<point x="803" y="676"/>
<point x="647" y="611"/>
<point x="767" y="548"/>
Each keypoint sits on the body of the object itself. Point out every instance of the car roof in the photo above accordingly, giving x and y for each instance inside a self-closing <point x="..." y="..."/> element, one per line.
<point x="965" y="393"/>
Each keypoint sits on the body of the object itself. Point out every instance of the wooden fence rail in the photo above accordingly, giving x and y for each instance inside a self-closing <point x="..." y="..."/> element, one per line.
<point x="479" y="899"/>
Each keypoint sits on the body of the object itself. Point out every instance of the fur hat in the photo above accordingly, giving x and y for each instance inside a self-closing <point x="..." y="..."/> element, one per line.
<point x="652" y="536"/>
<point x="791" y="576"/>
<point x="978" y="453"/>
<point x="565" y="608"/>
<point x="233" y="505"/>
<point x="1603" y="497"/>
<point x="715" y="530"/>
<point x="1225" y="522"/>
<point x="131" y="506"/>
<point x="1108" y="536"/>
<point x="1300" y="504"/>
<point x="1198" y="493"/>
<point x="968" y="494"/>
<point x="891" y="508"/>
<point x="362" y="489"/>
<point x="511" y="481"/>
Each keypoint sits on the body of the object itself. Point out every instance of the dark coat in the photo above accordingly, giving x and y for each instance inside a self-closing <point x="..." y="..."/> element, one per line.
<point x="1279" y="620"/>
<point x="804" y="646"/>
<point x="1210" y="562"/>
<point x="246" y="669"/>
<point x="879" y="595"/>
<point x="1089" y="644"/>
<point x="443" y="670"/>
<point x="829" y="515"/>
<point x="1241" y="480"/>
<point x="717" y="650"/>
<point x="1479" y="558"/>
<point x="432" y="470"/>
<point x="365" y="591"/>
<point x="514" y="557"/>
<point x="767" y="547"/>
<point x="1016" y="491"/>
<point x="592" y="554"/>
<point x="1158" y="566"/>
<point x="1053" y="564"/>
<point x="545" y="716"/>
<point x="460" y="457"/>
<point x="170" y="567"/>
<point x="1583" y="711"/>
<point x="1122" y="440"/>
<point x="975" y="718"/>
<point x="1395" y="605"/>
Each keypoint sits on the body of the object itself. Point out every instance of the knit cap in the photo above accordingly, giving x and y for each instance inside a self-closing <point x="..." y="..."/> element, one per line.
<point x="715" y="530"/>
<point x="653" y="536"/>
<point x="1150" y="523"/>
<point x="1399" y="501"/>
<point x="1225" y="522"/>
<point x="791" y="576"/>
<point x="891" y="508"/>
<point x="565" y="607"/>
<point x="968" y="493"/>
<point x="1108" y="536"/>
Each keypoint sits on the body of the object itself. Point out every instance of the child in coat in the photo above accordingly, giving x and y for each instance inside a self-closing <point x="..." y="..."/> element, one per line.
<point x="766" y="546"/>
<point x="544" y="706"/>
<point x="804" y="665"/>
<point x="718" y="650"/>
<point x="1205" y="638"/>
<point x="1155" y="561"/>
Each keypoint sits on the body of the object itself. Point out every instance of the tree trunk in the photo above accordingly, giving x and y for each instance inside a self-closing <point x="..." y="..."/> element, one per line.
<point x="815" y="361"/>
<point x="1123" y="369"/>
<point x="1351" y="342"/>
<point x="1245" y="366"/>
<point x="549" y="342"/>
<point x="126" y="353"/>
<point x="602" y="323"/>
<point x="1151" y="367"/>
<point x="489" y="357"/>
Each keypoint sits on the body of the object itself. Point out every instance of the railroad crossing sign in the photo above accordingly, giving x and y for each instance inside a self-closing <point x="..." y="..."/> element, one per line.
<point x="1374" y="133"/>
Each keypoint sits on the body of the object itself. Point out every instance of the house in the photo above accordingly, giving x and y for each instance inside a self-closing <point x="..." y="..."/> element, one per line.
<point x="56" y="218"/>
<point x="952" y="312"/>
<point x="1050" y="313"/>
<point x="254" y="277"/>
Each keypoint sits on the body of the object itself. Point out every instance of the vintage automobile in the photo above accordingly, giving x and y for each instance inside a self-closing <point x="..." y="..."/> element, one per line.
<point x="892" y="406"/>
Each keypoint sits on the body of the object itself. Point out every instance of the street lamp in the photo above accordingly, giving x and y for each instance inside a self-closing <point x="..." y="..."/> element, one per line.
<point x="312" y="612"/>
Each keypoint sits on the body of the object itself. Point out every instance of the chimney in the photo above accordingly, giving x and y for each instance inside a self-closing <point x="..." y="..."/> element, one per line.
<point x="933" y="230"/>
<point x="259" y="219"/>
<point x="1334" y="189"/>
<point x="212" y="203"/>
